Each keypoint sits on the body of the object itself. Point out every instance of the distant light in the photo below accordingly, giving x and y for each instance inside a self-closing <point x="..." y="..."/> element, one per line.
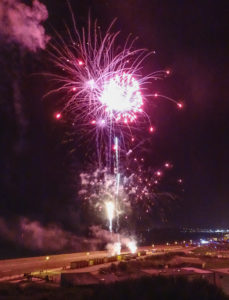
<point x="93" y="122"/>
<point x="180" y="180"/>
<point x="204" y="242"/>
<point x="47" y="257"/>
<point x="74" y="89"/>
<point x="167" y="72"/>
<point x="156" y="95"/>
<point x="167" y="165"/>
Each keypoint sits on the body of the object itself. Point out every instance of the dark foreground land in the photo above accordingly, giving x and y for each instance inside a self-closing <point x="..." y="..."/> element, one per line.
<point x="159" y="288"/>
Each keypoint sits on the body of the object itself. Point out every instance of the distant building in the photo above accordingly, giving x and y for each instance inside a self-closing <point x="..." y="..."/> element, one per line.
<point x="184" y="261"/>
<point x="189" y="272"/>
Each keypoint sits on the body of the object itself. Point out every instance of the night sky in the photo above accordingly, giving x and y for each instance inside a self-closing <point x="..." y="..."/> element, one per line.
<point x="39" y="169"/>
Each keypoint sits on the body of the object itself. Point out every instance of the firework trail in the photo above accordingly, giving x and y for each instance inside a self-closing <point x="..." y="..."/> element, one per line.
<point x="110" y="213"/>
<point x="117" y="180"/>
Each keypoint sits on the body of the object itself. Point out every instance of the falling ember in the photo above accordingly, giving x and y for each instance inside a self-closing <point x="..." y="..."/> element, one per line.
<point x="80" y="62"/>
<point x="115" y="147"/>
<point x="57" y="116"/>
<point x="151" y="129"/>
<point x="168" y="165"/>
<point x="180" y="105"/>
<point x="110" y="213"/>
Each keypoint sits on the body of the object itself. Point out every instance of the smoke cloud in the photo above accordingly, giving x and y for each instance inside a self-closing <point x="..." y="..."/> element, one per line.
<point x="110" y="239"/>
<point x="35" y="236"/>
<point x="21" y="23"/>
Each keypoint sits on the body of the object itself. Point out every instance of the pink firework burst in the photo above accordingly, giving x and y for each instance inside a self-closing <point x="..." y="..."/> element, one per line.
<point x="100" y="79"/>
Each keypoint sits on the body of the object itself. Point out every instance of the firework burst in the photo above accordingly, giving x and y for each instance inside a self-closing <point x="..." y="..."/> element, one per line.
<point x="104" y="90"/>
<point x="103" y="85"/>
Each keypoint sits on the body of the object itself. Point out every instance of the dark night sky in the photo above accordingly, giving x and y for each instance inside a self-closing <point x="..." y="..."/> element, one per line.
<point x="190" y="38"/>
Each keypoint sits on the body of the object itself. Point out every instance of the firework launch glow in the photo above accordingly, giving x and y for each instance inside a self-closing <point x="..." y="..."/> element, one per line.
<point x="132" y="246"/>
<point x="116" y="248"/>
<point x="110" y="213"/>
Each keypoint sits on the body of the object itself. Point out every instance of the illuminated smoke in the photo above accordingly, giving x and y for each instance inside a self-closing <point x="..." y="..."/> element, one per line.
<point x="35" y="236"/>
<point x="114" y="241"/>
<point x="22" y="24"/>
<point x="114" y="249"/>
<point x="132" y="246"/>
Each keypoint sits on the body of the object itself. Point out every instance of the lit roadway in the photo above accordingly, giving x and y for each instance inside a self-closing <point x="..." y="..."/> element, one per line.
<point x="10" y="267"/>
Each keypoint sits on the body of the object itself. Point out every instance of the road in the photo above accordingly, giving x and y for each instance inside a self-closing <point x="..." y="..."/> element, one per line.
<point x="10" y="267"/>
